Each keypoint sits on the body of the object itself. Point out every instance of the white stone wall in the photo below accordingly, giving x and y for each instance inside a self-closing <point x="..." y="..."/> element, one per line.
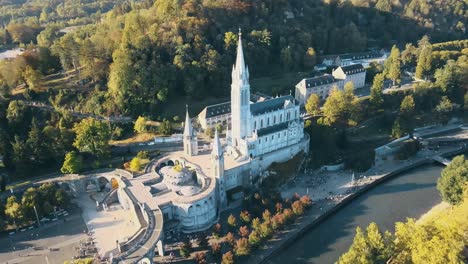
<point x="197" y="216"/>
<point x="274" y="118"/>
<point x="213" y="121"/>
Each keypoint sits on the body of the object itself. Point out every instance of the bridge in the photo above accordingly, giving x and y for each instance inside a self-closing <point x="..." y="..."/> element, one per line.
<point x="441" y="160"/>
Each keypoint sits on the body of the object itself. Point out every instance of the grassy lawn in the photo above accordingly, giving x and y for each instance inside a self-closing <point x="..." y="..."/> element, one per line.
<point x="138" y="138"/>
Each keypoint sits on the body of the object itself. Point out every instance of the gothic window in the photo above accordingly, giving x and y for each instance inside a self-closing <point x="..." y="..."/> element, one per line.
<point x="274" y="120"/>
<point x="255" y="124"/>
<point x="261" y="123"/>
<point x="288" y="116"/>
<point x="268" y="121"/>
<point x="281" y="118"/>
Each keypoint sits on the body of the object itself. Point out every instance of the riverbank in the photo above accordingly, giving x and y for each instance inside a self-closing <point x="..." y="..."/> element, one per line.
<point x="326" y="207"/>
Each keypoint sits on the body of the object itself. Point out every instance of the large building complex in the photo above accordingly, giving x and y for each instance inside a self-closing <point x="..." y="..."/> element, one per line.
<point x="193" y="186"/>
<point x="322" y="85"/>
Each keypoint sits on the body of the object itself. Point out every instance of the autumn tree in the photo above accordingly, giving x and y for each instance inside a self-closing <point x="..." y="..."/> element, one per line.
<point x="230" y="239"/>
<point x="228" y="258"/>
<point x="405" y="120"/>
<point x="242" y="247"/>
<point x="232" y="221"/>
<point x="244" y="231"/>
<point x="312" y="105"/>
<point x="140" y="125"/>
<point x="245" y="217"/>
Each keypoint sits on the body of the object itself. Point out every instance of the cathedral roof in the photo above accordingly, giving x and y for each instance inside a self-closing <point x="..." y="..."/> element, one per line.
<point x="272" y="129"/>
<point x="270" y="105"/>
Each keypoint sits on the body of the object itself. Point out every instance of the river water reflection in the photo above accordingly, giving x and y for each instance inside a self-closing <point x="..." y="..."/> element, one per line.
<point x="408" y="195"/>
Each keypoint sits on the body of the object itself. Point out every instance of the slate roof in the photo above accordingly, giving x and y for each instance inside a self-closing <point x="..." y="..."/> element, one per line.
<point x="353" y="69"/>
<point x="270" y="105"/>
<point x="319" y="80"/>
<point x="272" y="129"/>
<point x="218" y="109"/>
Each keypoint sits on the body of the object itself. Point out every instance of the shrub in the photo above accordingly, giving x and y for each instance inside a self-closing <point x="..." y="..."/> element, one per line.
<point x="242" y="247"/>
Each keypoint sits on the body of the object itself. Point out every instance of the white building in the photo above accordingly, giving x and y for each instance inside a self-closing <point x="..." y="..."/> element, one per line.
<point x="192" y="187"/>
<point x="322" y="85"/>
<point x="354" y="73"/>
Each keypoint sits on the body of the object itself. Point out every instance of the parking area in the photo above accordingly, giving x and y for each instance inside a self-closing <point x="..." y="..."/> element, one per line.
<point x="54" y="242"/>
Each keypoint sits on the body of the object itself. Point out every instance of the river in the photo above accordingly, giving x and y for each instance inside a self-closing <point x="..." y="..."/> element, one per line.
<point x="409" y="195"/>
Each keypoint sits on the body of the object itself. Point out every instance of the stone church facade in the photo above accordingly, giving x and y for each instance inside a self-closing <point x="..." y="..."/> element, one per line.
<point x="194" y="185"/>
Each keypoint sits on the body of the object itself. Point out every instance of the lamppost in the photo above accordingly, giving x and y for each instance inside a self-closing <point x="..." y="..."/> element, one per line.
<point x="37" y="216"/>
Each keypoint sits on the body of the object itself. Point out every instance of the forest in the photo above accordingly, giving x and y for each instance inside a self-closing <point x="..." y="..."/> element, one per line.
<point x="137" y="58"/>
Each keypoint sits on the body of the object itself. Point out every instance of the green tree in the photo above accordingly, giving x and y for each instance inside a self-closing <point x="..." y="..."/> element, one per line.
<point x="376" y="92"/>
<point x="286" y="58"/>
<point x="30" y="200"/>
<point x="394" y="69"/>
<point x="448" y="79"/>
<point x="32" y="77"/>
<point x="453" y="179"/>
<point x="341" y="107"/>
<point x="186" y="248"/>
<point x="92" y="136"/>
<point x="443" y="109"/>
<point x="62" y="199"/>
<point x="254" y="239"/>
<point x="16" y="112"/>
<point x="73" y="163"/>
<point x="405" y="120"/>
<point x="384" y="5"/>
<point x="165" y="128"/>
<point x="140" y="125"/>
<point x="14" y="210"/>
<point x="424" y="64"/>
<point x="312" y="105"/>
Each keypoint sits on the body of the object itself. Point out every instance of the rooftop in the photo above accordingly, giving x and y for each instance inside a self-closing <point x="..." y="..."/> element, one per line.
<point x="353" y="69"/>
<point x="272" y="129"/>
<point x="317" y="81"/>
<point x="270" y="105"/>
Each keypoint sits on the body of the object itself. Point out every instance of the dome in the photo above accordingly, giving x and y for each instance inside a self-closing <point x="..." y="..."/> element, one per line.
<point x="189" y="190"/>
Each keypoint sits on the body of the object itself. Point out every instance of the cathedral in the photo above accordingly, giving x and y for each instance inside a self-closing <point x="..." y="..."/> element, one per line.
<point x="198" y="183"/>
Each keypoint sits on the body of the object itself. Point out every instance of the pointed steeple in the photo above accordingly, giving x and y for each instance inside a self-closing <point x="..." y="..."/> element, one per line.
<point x="188" y="130"/>
<point x="217" y="149"/>
<point x="240" y="62"/>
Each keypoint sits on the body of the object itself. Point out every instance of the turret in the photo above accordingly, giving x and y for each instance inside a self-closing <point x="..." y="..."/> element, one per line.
<point x="190" y="139"/>
<point x="217" y="166"/>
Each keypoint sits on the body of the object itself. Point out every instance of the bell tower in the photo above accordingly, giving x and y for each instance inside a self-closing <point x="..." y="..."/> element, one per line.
<point x="240" y="97"/>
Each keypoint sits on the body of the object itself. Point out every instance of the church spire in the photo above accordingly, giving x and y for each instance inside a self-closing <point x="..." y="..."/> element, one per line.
<point x="217" y="149"/>
<point x="188" y="124"/>
<point x="240" y="62"/>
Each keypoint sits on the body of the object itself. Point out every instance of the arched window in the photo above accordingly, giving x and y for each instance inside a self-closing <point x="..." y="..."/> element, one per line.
<point x="288" y="116"/>
<point x="268" y="121"/>
<point x="261" y="123"/>
<point x="255" y="124"/>
<point x="281" y="118"/>
<point x="274" y="120"/>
